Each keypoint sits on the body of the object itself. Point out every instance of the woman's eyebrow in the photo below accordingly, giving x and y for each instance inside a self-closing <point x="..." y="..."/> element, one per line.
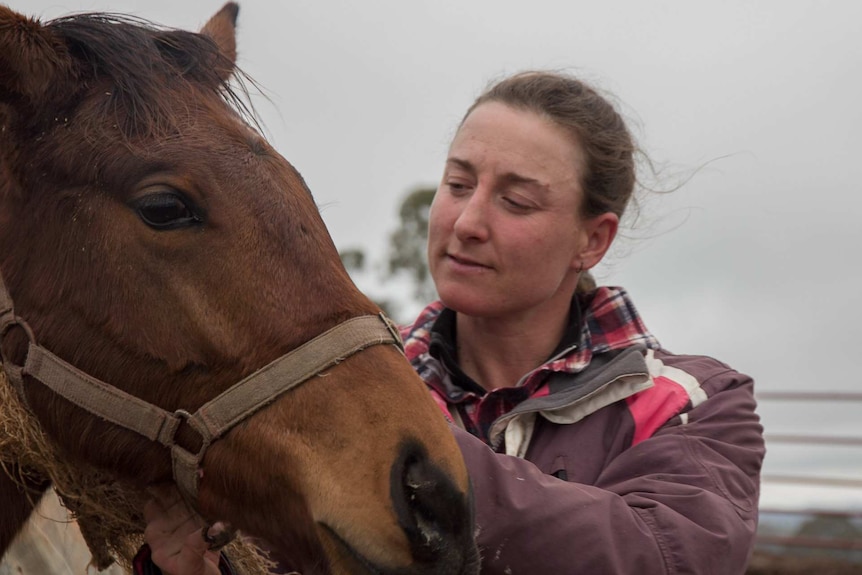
<point x="461" y="163"/>
<point x="513" y="178"/>
<point x="508" y="177"/>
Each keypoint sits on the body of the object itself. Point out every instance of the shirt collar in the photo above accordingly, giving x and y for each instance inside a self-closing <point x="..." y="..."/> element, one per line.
<point x="610" y="321"/>
<point x="443" y="344"/>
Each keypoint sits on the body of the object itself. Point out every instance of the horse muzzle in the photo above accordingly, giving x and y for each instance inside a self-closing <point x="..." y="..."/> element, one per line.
<point x="434" y="515"/>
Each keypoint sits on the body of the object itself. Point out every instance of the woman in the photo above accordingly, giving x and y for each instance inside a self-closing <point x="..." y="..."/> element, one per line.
<point x="607" y="453"/>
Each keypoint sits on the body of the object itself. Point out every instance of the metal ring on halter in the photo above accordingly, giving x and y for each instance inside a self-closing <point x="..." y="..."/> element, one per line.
<point x="14" y="372"/>
<point x="392" y="327"/>
<point x="6" y="325"/>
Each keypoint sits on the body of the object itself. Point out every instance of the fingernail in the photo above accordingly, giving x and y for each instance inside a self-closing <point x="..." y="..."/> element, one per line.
<point x="218" y="535"/>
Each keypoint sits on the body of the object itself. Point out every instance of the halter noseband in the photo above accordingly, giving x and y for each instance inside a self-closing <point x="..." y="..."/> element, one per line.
<point x="214" y="418"/>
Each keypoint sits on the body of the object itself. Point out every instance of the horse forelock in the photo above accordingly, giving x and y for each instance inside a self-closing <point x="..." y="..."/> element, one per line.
<point x="142" y="67"/>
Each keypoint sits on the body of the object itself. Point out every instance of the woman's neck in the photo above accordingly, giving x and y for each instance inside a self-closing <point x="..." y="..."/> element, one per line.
<point x="498" y="352"/>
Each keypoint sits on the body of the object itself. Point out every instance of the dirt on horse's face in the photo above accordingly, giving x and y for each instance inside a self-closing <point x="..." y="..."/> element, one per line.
<point x="152" y="238"/>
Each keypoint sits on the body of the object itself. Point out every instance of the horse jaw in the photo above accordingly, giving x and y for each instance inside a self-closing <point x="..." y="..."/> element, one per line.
<point x="370" y="523"/>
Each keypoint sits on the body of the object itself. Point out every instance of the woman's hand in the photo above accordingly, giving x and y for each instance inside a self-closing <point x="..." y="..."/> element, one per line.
<point x="175" y="535"/>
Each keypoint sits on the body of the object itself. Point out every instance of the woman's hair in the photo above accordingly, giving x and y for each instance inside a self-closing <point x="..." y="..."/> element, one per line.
<point x="609" y="170"/>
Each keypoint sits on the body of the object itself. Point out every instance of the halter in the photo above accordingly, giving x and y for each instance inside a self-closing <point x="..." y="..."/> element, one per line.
<point x="214" y="418"/>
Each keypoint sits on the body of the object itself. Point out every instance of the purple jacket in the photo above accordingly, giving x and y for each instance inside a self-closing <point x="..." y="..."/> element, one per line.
<point x="625" y="458"/>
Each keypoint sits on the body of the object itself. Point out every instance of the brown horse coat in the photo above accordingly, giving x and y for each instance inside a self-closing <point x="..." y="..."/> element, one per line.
<point x="153" y="239"/>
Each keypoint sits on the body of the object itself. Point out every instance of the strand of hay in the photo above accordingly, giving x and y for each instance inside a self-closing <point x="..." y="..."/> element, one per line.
<point x="108" y="511"/>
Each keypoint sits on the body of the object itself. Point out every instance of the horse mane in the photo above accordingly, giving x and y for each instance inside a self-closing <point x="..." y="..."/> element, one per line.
<point x="143" y="61"/>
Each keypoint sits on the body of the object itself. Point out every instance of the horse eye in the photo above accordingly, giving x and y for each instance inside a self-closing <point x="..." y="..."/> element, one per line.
<point x="165" y="210"/>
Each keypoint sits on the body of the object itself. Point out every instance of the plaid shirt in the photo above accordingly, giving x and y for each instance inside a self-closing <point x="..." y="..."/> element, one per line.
<point x="610" y="322"/>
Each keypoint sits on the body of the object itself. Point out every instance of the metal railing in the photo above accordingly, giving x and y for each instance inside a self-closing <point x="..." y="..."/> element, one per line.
<point x="845" y="545"/>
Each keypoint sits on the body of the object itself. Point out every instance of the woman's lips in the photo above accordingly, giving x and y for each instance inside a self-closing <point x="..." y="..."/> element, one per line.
<point x="465" y="263"/>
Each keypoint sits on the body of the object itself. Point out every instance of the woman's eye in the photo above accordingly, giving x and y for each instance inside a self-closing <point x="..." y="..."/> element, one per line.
<point x="165" y="210"/>
<point x="516" y="205"/>
<point x="457" y="187"/>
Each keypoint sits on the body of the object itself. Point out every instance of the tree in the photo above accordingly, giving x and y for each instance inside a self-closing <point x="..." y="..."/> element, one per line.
<point x="405" y="254"/>
<point x="353" y="259"/>
<point x="407" y="244"/>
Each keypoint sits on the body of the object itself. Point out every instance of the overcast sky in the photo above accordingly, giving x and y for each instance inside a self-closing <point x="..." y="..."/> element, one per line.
<point x="754" y="260"/>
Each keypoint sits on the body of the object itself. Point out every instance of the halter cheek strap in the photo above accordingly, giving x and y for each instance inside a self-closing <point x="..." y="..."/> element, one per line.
<point x="264" y="386"/>
<point x="214" y="418"/>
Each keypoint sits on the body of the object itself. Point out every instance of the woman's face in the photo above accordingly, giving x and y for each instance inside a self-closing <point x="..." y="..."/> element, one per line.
<point x="505" y="233"/>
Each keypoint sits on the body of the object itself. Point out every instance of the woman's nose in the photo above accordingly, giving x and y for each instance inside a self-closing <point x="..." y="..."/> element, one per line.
<point x="472" y="223"/>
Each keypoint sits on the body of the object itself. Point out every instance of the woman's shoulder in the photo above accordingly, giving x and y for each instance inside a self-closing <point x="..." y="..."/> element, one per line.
<point x="707" y="370"/>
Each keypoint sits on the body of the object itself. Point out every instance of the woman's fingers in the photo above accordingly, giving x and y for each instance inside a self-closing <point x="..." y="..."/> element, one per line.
<point x="167" y="513"/>
<point x="218" y="534"/>
<point x="174" y="533"/>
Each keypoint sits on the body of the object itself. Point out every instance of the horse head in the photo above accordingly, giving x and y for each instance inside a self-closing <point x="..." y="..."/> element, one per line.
<point x="152" y="239"/>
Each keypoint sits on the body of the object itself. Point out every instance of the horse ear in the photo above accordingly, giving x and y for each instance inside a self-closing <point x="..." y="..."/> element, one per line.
<point x="222" y="29"/>
<point x="34" y="62"/>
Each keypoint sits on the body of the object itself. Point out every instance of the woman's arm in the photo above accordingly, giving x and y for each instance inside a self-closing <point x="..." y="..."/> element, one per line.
<point x="684" y="500"/>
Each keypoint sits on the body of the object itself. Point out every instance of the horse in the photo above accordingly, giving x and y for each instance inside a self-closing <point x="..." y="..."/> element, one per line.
<point x="160" y="255"/>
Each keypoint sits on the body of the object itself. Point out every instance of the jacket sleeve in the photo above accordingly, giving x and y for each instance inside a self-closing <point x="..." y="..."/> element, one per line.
<point x="682" y="501"/>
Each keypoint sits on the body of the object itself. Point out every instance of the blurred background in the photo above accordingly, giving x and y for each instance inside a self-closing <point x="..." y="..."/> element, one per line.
<point x="749" y="111"/>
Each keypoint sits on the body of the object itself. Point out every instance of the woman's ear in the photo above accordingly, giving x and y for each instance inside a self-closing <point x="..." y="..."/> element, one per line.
<point x="599" y="233"/>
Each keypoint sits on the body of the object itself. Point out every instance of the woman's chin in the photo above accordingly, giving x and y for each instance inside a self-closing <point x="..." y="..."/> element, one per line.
<point x="470" y="302"/>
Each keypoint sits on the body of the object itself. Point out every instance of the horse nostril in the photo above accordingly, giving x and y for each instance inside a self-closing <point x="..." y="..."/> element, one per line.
<point x="434" y="514"/>
<point x="419" y="491"/>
